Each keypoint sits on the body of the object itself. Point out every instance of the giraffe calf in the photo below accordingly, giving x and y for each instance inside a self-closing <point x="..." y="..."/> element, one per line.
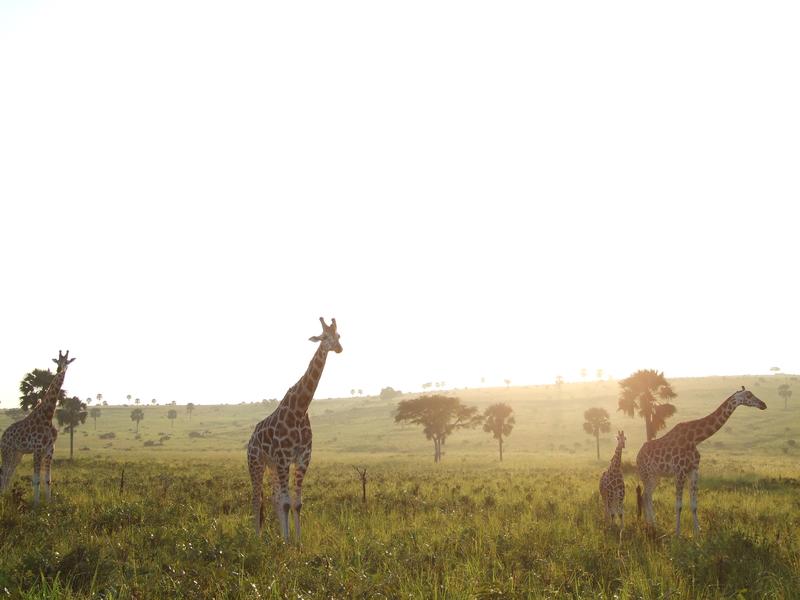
<point x="612" y="484"/>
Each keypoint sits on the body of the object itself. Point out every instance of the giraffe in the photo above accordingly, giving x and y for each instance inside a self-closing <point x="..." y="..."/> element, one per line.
<point x="35" y="434"/>
<point x="612" y="484"/>
<point x="284" y="437"/>
<point x="675" y="453"/>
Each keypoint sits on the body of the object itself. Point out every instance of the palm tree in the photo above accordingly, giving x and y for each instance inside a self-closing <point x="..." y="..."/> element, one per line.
<point x="499" y="422"/>
<point x="94" y="412"/>
<point x="785" y="392"/>
<point x="99" y="398"/>
<point x="34" y="385"/>
<point x="597" y="422"/>
<point x="360" y="392"/>
<point x="507" y="382"/>
<point x="70" y="414"/>
<point x="172" y="415"/>
<point x="189" y="409"/>
<point x="137" y="402"/>
<point x="153" y="401"/>
<point x="137" y="414"/>
<point x="129" y="398"/>
<point x="89" y="400"/>
<point x="353" y="392"/>
<point x="647" y="392"/>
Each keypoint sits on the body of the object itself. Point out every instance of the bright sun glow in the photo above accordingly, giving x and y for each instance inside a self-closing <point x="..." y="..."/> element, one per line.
<point x="473" y="190"/>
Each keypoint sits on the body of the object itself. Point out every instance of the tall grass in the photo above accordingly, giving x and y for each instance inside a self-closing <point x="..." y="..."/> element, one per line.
<point x="460" y="530"/>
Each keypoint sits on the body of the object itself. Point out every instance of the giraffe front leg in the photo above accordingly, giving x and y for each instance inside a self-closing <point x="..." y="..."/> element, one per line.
<point x="693" y="498"/>
<point x="299" y="474"/>
<point x="281" y="498"/>
<point x="37" y="469"/>
<point x="680" y="480"/>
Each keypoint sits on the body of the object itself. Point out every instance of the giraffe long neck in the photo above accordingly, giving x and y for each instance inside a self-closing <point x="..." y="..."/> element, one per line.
<point x="616" y="460"/>
<point x="47" y="407"/>
<point x="704" y="428"/>
<point x="301" y="393"/>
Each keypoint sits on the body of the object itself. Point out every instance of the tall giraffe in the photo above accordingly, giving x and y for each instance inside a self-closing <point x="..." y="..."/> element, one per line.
<point x="35" y="434"/>
<point x="675" y="454"/>
<point x="284" y="437"/>
<point x="612" y="483"/>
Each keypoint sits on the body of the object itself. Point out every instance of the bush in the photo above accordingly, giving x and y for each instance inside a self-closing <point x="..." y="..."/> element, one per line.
<point x="108" y="436"/>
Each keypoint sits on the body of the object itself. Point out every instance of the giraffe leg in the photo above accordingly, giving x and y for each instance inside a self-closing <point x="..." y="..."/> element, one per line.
<point x="46" y="461"/>
<point x="281" y="498"/>
<point x="37" y="468"/>
<point x="649" y="511"/>
<point x="680" y="480"/>
<point x="257" y="480"/>
<point x="693" y="498"/>
<point x="299" y="474"/>
<point x="11" y="459"/>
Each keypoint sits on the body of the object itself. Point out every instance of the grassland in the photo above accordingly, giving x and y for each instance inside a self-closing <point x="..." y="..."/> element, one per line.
<point x="470" y="527"/>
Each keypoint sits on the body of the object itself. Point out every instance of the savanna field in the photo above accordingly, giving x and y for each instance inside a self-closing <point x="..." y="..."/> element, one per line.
<point x="178" y="524"/>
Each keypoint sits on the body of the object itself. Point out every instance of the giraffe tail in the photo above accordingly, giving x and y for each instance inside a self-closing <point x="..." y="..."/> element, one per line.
<point x="638" y="501"/>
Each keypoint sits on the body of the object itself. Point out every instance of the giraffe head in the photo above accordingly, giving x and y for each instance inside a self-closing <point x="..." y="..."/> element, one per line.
<point x="746" y="398"/>
<point x="62" y="361"/>
<point x="329" y="337"/>
<point x="620" y="439"/>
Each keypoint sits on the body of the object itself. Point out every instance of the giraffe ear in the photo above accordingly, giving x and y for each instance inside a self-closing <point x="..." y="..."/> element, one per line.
<point x="315" y="338"/>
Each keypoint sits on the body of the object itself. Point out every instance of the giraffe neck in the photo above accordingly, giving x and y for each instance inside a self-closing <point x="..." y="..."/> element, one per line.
<point x="47" y="407"/>
<point x="616" y="460"/>
<point x="704" y="428"/>
<point x="301" y="393"/>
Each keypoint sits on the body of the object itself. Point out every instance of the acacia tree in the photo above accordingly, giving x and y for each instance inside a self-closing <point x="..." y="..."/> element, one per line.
<point x="69" y="415"/>
<point x="137" y="414"/>
<point x="94" y="412"/>
<point x="439" y="416"/>
<point x="172" y="415"/>
<point x="647" y="392"/>
<point x="34" y="385"/>
<point x="499" y="422"/>
<point x="785" y="392"/>
<point x="189" y="409"/>
<point x="597" y="422"/>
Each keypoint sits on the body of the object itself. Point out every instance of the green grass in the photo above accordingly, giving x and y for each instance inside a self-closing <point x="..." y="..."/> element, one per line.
<point x="467" y="528"/>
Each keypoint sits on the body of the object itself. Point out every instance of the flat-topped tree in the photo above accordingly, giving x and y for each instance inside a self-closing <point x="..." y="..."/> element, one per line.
<point x="439" y="416"/>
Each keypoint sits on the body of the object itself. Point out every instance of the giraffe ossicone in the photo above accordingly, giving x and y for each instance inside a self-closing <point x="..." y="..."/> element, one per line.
<point x="675" y="455"/>
<point x="284" y="439"/>
<point x="35" y="435"/>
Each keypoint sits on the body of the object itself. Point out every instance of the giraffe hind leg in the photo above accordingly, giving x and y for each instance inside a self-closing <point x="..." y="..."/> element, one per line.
<point x="11" y="459"/>
<point x="46" y="462"/>
<point x="680" y="480"/>
<point x="37" y="469"/>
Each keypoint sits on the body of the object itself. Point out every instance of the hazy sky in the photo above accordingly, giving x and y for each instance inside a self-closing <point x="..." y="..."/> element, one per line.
<point x="473" y="189"/>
